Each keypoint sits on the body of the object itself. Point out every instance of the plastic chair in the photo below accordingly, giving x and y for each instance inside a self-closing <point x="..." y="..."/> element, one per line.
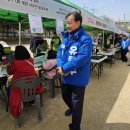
<point x="28" y="87"/>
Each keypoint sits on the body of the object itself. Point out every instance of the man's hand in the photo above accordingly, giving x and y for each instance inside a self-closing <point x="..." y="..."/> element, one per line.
<point x="66" y="74"/>
<point x="61" y="72"/>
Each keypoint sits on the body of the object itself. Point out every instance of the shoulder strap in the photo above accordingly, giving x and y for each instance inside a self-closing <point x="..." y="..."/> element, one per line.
<point x="29" y="63"/>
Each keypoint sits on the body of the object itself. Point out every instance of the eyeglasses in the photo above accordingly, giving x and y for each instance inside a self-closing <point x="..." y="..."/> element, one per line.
<point x="68" y="22"/>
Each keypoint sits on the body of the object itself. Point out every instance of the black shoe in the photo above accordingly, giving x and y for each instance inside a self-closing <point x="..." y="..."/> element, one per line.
<point x="70" y="126"/>
<point x="68" y="112"/>
<point x="128" y="65"/>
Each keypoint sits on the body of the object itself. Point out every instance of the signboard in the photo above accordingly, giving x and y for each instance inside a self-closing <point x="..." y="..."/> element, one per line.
<point x="92" y="21"/>
<point x="44" y="8"/>
<point x="35" y="24"/>
<point x="59" y="26"/>
<point x="88" y="20"/>
<point x="101" y="24"/>
<point x="49" y="9"/>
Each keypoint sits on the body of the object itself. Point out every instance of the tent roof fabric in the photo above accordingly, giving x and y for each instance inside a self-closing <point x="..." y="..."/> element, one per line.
<point x="11" y="15"/>
<point x="66" y="2"/>
<point x="16" y="16"/>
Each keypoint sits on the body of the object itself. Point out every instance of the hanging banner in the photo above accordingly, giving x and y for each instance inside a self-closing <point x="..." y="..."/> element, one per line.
<point x="92" y="21"/>
<point x="35" y="24"/>
<point x="59" y="26"/>
<point x="44" y="8"/>
<point x="88" y="20"/>
<point x="101" y="25"/>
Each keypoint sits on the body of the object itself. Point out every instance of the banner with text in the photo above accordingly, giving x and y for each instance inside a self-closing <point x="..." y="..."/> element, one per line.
<point x="92" y="21"/>
<point x="59" y="26"/>
<point x="44" y="8"/>
<point x="35" y="24"/>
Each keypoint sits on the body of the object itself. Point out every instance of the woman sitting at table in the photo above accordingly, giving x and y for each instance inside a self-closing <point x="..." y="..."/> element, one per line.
<point x="21" y="66"/>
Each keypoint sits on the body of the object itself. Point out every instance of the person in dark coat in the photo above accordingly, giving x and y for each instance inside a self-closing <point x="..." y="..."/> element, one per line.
<point x="123" y="49"/>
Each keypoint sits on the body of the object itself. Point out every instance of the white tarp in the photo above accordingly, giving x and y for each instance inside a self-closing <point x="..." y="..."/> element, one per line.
<point x="44" y="8"/>
<point x="35" y="24"/>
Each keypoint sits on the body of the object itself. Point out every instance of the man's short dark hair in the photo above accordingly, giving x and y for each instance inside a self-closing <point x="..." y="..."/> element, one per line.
<point x="77" y="16"/>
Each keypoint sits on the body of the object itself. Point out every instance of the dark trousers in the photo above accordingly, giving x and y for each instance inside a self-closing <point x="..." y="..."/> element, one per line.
<point x="123" y="55"/>
<point x="73" y="96"/>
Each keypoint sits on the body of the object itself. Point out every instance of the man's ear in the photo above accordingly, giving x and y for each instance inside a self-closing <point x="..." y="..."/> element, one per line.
<point x="79" y="22"/>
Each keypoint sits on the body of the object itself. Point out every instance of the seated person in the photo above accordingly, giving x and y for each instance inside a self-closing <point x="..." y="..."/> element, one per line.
<point x="33" y="43"/>
<point x="51" y="54"/>
<point x="21" y="66"/>
<point x="42" y="47"/>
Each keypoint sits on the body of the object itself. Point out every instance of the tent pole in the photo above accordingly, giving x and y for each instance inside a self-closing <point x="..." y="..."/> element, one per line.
<point x="103" y="39"/>
<point x="114" y="38"/>
<point x="19" y="33"/>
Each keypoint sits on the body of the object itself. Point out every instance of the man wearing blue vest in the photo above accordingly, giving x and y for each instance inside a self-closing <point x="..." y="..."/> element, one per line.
<point x="127" y="47"/>
<point x="124" y="49"/>
<point x="73" y="61"/>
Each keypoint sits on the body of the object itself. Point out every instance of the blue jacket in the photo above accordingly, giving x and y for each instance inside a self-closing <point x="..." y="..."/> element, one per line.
<point x="74" y="56"/>
<point x="123" y="44"/>
<point x="127" y="44"/>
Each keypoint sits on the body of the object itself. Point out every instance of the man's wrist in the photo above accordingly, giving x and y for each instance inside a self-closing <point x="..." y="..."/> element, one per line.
<point x="62" y="69"/>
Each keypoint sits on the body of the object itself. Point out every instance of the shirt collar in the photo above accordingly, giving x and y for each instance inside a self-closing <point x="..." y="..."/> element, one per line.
<point x="75" y="33"/>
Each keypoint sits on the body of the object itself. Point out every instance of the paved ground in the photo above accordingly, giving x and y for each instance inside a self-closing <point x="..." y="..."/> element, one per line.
<point x="106" y="105"/>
